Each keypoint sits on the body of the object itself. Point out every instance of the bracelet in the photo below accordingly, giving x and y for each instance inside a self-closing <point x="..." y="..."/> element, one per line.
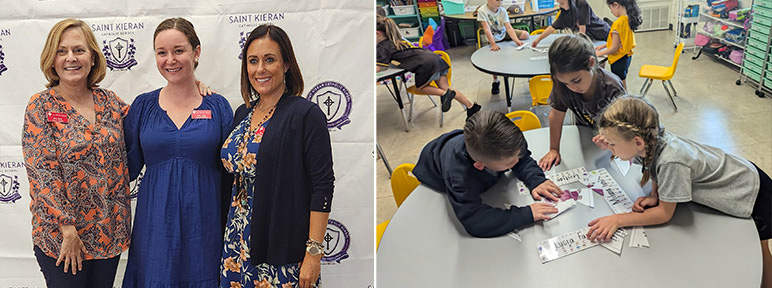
<point x="313" y="243"/>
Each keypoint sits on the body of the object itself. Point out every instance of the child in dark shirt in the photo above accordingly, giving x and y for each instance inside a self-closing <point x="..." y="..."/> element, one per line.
<point x="466" y="163"/>
<point x="427" y="66"/>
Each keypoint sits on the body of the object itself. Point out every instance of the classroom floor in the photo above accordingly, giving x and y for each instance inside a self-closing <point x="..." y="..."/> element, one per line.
<point x="711" y="109"/>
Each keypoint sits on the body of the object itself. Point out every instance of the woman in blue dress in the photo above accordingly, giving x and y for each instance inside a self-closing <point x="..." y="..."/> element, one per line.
<point x="176" y="133"/>
<point x="281" y="158"/>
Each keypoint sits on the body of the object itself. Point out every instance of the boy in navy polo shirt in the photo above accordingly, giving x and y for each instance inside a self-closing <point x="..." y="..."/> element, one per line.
<point x="466" y="163"/>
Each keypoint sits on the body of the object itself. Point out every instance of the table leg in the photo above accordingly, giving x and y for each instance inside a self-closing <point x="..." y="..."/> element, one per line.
<point x="399" y="100"/>
<point x="383" y="158"/>
<point x="507" y="94"/>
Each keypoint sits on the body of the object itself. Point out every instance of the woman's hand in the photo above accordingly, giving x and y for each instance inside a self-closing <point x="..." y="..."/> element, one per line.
<point x="203" y="89"/>
<point x="309" y="270"/>
<point x="72" y="250"/>
<point x="603" y="228"/>
<point x="551" y="159"/>
<point x="547" y="189"/>
<point x="642" y="202"/>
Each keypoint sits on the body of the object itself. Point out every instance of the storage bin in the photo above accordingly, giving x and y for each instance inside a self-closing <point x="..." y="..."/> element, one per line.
<point x="403" y="10"/>
<point x="428" y="10"/>
<point x="426" y="4"/>
<point x="451" y="7"/>
<point x="409" y="32"/>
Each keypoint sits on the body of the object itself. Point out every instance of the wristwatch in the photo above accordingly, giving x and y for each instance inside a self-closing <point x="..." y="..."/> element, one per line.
<point x="314" y="247"/>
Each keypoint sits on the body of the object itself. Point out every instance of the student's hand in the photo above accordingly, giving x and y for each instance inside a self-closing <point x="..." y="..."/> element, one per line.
<point x="547" y="189"/>
<point x="540" y="211"/>
<point x="72" y="250"/>
<point x="603" y="228"/>
<point x="203" y="89"/>
<point x="552" y="158"/>
<point x="534" y="43"/>
<point x="600" y="141"/>
<point x="518" y="42"/>
<point x="642" y="202"/>
<point x="599" y="53"/>
<point x="495" y="47"/>
<point x="598" y="48"/>
<point x="309" y="270"/>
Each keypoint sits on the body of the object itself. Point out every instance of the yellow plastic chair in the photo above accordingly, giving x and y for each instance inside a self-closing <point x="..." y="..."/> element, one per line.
<point x="654" y="72"/>
<point x="379" y="233"/>
<point x="537" y="31"/>
<point x="525" y="120"/>
<point x="540" y="88"/>
<point x="413" y="90"/>
<point x="479" y="37"/>
<point x="402" y="183"/>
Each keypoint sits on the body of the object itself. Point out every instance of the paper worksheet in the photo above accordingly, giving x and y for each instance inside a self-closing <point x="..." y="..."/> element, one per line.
<point x="561" y="205"/>
<point x="638" y="238"/>
<point x="564" y="245"/>
<point x="624" y="166"/>
<point x="612" y="193"/>
<point x="570" y="176"/>
<point x="616" y="241"/>
<point x="521" y="188"/>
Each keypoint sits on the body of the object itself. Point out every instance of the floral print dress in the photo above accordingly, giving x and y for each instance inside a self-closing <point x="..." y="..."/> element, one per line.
<point x="239" y="156"/>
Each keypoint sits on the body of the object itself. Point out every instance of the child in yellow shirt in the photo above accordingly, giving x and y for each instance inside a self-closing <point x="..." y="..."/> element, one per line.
<point x="621" y="41"/>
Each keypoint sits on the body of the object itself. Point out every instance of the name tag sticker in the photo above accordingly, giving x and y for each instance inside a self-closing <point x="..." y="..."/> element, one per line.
<point x="202" y="114"/>
<point x="56" y="117"/>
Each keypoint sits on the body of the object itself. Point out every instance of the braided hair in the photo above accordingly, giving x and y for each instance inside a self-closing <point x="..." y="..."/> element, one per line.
<point x="389" y="29"/>
<point x="634" y="18"/>
<point x="634" y="116"/>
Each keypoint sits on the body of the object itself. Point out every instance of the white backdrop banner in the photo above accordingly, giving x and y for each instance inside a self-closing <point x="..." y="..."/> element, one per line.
<point x="332" y="40"/>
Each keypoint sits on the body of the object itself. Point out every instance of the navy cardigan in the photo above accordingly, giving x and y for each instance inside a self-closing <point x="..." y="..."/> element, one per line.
<point x="294" y="177"/>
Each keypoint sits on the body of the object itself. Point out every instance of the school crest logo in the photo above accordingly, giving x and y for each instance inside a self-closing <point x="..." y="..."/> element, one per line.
<point x="334" y="100"/>
<point x="119" y="53"/>
<point x="2" y="60"/>
<point x="336" y="242"/>
<point x="9" y="188"/>
<point x="243" y="40"/>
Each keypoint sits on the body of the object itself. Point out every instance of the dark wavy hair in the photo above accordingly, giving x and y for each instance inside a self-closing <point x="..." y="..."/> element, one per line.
<point x="293" y="79"/>
<point x="634" y="18"/>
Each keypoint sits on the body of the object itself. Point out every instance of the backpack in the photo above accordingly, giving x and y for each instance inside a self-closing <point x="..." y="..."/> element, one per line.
<point x="701" y="40"/>
<point x="736" y="56"/>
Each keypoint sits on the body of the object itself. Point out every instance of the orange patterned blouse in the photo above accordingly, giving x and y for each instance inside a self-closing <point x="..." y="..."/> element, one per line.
<point x="77" y="173"/>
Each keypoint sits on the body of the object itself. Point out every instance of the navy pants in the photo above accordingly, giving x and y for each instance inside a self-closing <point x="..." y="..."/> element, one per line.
<point x="98" y="273"/>
<point x="762" y="209"/>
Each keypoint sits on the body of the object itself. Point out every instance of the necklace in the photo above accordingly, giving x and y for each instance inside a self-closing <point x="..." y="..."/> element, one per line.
<point x="242" y="195"/>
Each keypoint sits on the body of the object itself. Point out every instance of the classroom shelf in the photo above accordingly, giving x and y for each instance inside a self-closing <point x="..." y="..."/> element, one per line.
<point x="727" y="60"/>
<point x="720" y="39"/>
<point x="402" y="16"/>
<point x="725" y="21"/>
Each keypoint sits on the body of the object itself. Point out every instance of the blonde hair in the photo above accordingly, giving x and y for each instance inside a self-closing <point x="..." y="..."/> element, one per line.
<point x="634" y="116"/>
<point x="389" y="29"/>
<point x="48" y="56"/>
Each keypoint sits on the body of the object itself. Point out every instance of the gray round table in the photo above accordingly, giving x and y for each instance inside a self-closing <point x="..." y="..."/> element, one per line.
<point x="425" y="245"/>
<point x="510" y="62"/>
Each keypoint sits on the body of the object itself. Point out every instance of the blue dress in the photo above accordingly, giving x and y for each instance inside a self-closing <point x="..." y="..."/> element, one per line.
<point x="239" y="156"/>
<point x="177" y="234"/>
